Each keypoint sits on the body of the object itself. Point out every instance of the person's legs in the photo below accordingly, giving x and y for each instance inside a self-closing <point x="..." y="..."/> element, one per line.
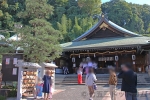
<point x="111" y="91"/>
<point x="134" y="96"/>
<point x="90" y="91"/>
<point x="44" y="96"/>
<point x="128" y="96"/>
<point x="114" y="92"/>
<point x="47" y="97"/>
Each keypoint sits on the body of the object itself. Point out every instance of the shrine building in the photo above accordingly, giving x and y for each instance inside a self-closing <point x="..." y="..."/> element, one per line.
<point x="107" y="44"/>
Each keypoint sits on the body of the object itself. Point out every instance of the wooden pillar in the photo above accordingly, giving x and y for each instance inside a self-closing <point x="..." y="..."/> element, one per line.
<point x="143" y="69"/>
<point x="133" y="62"/>
<point x="134" y="67"/>
<point x="116" y="59"/>
<point x="117" y="66"/>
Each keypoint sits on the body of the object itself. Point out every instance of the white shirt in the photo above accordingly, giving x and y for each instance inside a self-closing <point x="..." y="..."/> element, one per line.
<point x="79" y="72"/>
<point x="85" y="65"/>
<point x="90" y="64"/>
<point x="95" y="65"/>
<point x="90" y="78"/>
<point x="81" y="64"/>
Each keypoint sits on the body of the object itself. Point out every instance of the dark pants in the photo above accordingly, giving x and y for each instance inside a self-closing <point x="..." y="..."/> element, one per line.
<point x="130" y="96"/>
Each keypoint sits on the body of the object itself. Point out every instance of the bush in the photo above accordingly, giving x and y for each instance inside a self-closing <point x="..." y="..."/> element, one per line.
<point x="8" y="87"/>
<point x="12" y="93"/>
<point x="2" y="97"/>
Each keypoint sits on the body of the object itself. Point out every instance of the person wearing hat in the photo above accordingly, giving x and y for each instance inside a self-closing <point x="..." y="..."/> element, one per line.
<point x="112" y="82"/>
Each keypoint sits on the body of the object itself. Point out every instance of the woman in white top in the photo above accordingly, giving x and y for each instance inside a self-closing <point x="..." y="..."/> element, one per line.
<point x="89" y="81"/>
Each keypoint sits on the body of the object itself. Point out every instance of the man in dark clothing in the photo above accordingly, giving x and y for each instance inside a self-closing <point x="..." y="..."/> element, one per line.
<point x="129" y="82"/>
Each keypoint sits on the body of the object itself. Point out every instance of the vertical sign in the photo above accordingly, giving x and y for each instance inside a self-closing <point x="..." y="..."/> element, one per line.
<point x="15" y="61"/>
<point x="7" y="61"/>
<point x="14" y="71"/>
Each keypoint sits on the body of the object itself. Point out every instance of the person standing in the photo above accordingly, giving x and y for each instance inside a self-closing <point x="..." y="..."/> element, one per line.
<point x="47" y="84"/>
<point x="89" y="81"/>
<point x="148" y="69"/>
<point x="129" y="82"/>
<point x="84" y="67"/>
<point x="95" y="66"/>
<point x="112" y="82"/>
<point x="89" y="64"/>
<point x="79" y="72"/>
<point x="74" y="67"/>
<point x="38" y="88"/>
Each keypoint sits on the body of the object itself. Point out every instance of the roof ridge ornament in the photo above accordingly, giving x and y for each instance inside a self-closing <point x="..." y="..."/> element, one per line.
<point x="102" y="15"/>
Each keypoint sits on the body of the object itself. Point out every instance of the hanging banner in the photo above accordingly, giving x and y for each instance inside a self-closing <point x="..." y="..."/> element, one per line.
<point x="7" y="61"/>
<point x="15" y="60"/>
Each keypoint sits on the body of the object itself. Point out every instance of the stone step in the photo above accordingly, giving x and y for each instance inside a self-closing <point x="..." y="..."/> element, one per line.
<point x="102" y="79"/>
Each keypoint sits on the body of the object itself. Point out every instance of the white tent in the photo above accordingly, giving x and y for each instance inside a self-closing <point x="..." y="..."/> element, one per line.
<point x="15" y="37"/>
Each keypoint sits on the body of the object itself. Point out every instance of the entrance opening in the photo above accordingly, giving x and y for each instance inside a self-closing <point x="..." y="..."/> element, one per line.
<point x="105" y="64"/>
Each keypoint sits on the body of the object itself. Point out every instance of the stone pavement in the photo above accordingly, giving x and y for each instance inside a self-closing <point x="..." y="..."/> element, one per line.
<point x="80" y="92"/>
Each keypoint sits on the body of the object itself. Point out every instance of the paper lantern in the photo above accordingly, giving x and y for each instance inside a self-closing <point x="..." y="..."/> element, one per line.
<point x="73" y="59"/>
<point x="133" y="57"/>
<point x="116" y="58"/>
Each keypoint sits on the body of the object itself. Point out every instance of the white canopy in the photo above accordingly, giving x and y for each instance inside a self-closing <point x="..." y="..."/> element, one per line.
<point x="27" y="64"/>
<point x="15" y="37"/>
<point x="48" y="65"/>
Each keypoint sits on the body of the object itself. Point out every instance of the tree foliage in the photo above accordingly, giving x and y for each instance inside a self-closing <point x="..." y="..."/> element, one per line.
<point x="133" y="17"/>
<point x="39" y="39"/>
<point x="74" y="17"/>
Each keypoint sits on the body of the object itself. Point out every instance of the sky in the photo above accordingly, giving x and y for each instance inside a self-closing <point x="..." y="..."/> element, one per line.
<point x="133" y="1"/>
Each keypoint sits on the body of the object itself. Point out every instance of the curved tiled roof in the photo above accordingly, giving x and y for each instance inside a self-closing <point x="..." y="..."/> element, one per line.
<point x="106" y="43"/>
<point x="111" y="24"/>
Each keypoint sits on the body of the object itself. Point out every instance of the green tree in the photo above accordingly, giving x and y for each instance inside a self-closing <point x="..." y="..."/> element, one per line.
<point x="77" y="30"/>
<point x="39" y="39"/>
<point x="90" y="7"/>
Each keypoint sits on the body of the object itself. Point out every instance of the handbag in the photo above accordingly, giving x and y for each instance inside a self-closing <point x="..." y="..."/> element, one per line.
<point x="94" y="86"/>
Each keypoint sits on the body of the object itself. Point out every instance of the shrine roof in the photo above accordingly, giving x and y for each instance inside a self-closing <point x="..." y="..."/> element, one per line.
<point x="106" y="43"/>
<point x="104" y="20"/>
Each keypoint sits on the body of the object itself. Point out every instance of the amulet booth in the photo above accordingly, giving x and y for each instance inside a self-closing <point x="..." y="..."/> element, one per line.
<point x="27" y="76"/>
